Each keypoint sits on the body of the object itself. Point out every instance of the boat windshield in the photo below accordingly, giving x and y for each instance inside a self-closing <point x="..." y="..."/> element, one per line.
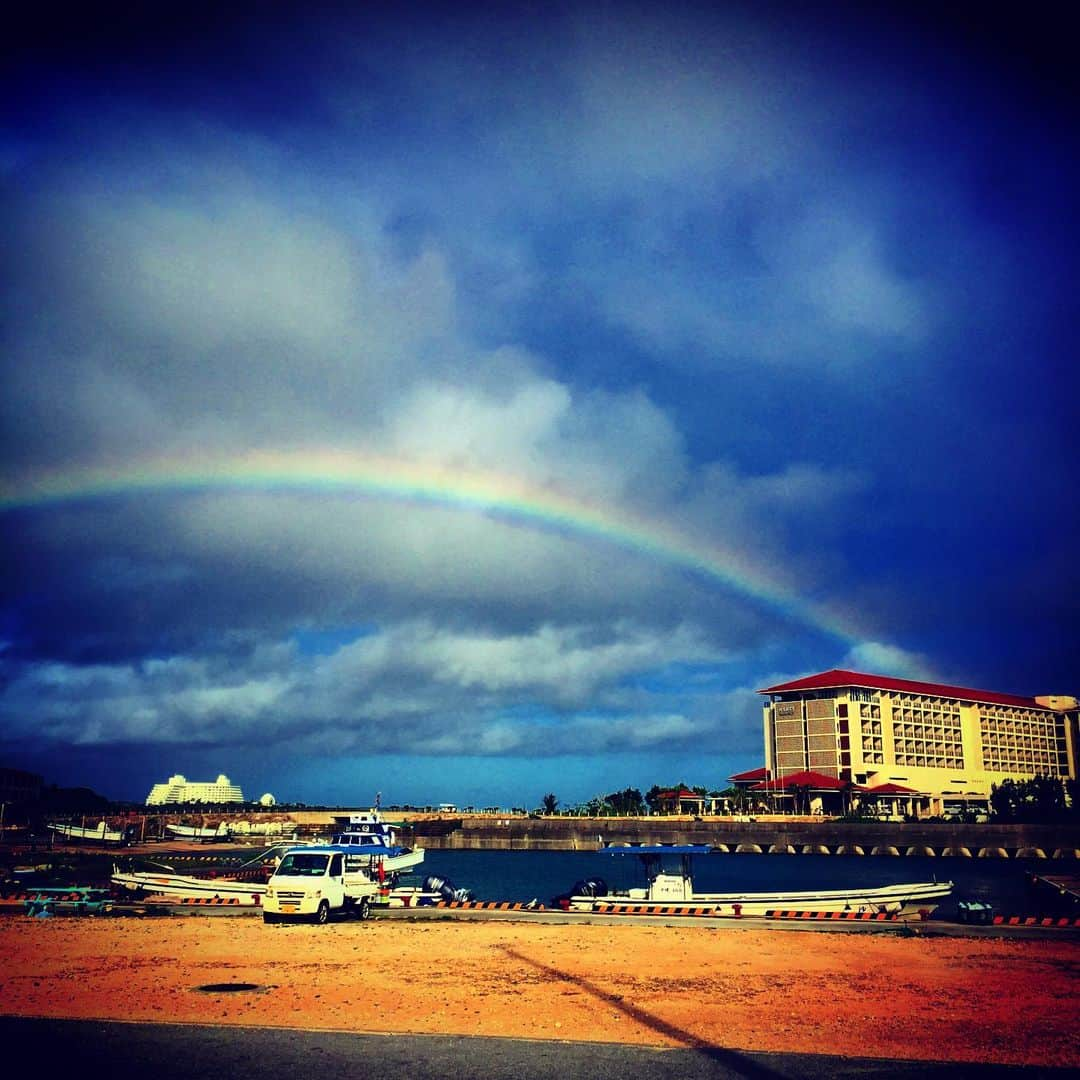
<point x="360" y="838"/>
<point x="302" y="864"/>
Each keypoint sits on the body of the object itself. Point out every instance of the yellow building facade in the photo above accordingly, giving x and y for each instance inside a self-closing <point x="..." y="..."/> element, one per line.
<point x="948" y="744"/>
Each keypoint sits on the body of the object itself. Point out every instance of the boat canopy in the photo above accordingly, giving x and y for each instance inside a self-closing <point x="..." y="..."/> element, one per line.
<point x="323" y="849"/>
<point x="657" y="849"/>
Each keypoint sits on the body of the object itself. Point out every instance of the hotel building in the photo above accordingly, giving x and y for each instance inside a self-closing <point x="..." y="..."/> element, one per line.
<point x="946" y="744"/>
<point x="179" y="790"/>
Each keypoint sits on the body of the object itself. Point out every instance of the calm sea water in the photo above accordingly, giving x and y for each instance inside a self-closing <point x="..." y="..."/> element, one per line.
<point x="520" y="876"/>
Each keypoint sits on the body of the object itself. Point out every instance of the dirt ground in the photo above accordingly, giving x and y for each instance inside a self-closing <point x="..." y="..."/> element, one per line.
<point x="867" y="994"/>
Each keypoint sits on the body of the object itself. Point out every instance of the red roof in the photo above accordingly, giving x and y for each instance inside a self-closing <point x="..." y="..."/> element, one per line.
<point x="814" y="780"/>
<point x="751" y="774"/>
<point x="682" y="794"/>
<point x="837" y="679"/>
<point x="890" y="789"/>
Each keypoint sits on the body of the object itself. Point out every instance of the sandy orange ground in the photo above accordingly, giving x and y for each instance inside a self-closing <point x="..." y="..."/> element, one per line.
<point x="961" y="999"/>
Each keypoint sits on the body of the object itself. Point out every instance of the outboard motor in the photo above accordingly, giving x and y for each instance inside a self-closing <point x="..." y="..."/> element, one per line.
<point x="445" y="888"/>
<point x="586" y="887"/>
<point x="434" y="883"/>
<point x="590" y="887"/>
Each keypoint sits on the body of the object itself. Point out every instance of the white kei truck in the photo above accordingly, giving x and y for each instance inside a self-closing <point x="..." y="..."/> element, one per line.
<point x="313" y="882"/>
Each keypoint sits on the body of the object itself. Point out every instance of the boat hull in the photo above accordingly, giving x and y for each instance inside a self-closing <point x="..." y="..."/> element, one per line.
<point x="99" y="834"/>
<point x="398" y="864"/>
<point x="893" y="900"/>
<point x="189" y="888"/>
<point x="394" y="860"/>
<point x="407" y="897"/>
<point x="191" y="832"/>
<point x="181" y="887"/>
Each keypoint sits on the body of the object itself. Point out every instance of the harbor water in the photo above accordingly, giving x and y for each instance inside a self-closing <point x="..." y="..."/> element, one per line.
<point x="524" y="876"/>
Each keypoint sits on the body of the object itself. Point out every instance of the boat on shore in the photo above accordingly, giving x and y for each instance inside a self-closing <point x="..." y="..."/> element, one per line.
<point x="101" y="833"/>
<point x="367" y="835"/>
<point x="249" y="891"/>
<point x="144" y="883"/>
<point x="670" y="884"/>
<point x="200" y="833"/>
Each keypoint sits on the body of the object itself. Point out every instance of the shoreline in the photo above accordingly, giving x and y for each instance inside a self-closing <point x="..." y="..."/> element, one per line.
<point x="970" y="999"/>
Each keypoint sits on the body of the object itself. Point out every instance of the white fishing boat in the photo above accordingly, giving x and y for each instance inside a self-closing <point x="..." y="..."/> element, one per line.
<point x="368" y="835"/>
<point x="187" y="887"/>
<point x="101" y="833"/>
<point x="204" y="834"/>
<point x="670" y="885"/>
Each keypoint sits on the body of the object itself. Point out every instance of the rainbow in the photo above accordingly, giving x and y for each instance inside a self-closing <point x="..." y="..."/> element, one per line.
<point x="337" y="473"/>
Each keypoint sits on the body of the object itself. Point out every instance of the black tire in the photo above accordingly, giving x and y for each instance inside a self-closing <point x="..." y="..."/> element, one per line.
<point x="322" y="913"/>
<point x="268" y="918"/>
<point x="363" y="908"/>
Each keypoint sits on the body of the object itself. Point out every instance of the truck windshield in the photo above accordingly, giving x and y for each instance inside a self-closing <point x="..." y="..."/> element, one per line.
<point x="303" y="865"/>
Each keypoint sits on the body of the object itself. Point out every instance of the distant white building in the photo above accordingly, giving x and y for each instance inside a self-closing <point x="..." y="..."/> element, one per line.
<point x="177" y="789"/>
<point x="267" y="800"/>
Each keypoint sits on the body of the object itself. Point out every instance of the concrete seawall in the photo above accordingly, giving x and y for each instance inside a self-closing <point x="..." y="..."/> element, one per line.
<point x="767" y="837"/>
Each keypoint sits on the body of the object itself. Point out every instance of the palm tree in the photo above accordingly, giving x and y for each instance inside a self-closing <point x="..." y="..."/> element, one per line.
<point x="802" y="797"/>
<point x="549" y="803"/>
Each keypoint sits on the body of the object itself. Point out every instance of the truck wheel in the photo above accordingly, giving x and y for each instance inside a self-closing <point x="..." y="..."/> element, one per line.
<point x="322" y="914"/>
<point x="268" y="918"/>
<point x="363" y="910"/>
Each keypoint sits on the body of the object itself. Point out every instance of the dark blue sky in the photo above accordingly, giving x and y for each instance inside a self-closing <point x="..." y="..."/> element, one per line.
<point x="788" y="287"/>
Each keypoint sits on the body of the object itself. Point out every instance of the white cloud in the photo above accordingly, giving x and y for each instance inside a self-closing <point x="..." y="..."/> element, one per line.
<point x="840" y="266"/>
<point x="183" y="700"/>
<point x="417" y="686"/>
<point x="881" y="658"/>
<point x="592" y="444"/>
<point x="206" y="291"/>
<point x="814" y="288"/>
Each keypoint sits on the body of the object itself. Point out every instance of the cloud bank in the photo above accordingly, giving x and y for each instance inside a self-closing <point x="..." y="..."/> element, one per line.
<point x="744" y="285"/>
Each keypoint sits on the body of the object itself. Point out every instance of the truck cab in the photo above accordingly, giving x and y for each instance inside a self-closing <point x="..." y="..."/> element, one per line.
<point x="313" y="882"/>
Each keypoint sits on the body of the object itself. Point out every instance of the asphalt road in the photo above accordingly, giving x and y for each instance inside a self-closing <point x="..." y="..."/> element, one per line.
<point x="89" y="1049"/>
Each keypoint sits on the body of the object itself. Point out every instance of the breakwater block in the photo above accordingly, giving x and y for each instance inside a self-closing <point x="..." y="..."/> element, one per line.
<point x="861" y="916"/>
<point x="654" y="909"/>
<point x="490" y="905"/>
<point x="1035" y="920"/>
